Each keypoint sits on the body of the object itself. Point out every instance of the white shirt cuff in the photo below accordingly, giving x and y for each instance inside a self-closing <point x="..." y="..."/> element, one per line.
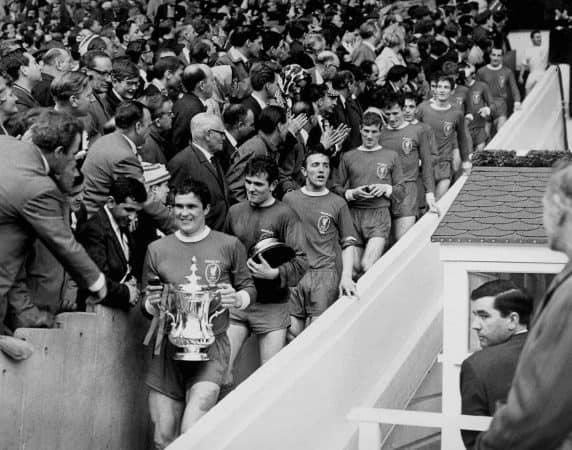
<point x="245" y="297"/>
<point x="99" y="284"/>
<point x="349" y="195"/>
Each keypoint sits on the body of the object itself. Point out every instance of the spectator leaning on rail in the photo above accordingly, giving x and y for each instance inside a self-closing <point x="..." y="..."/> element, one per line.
<point x="36" y="177"/>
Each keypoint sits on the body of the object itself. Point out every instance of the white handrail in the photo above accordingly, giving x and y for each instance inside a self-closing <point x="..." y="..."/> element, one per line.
<point x="370" y="419"/>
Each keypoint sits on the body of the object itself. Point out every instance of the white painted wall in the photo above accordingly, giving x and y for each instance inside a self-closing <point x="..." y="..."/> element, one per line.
<point x="538" y="125"/>
<point x="373" y="352"/>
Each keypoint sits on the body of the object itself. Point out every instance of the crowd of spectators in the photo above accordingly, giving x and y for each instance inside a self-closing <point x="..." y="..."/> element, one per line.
<point x="158" y="122"/>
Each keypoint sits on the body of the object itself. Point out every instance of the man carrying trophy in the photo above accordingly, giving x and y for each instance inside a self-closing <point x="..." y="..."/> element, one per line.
<point x="198" y="266"/>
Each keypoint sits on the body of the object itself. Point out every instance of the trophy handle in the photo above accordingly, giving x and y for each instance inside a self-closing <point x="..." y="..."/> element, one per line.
<point x="215" y="314"/>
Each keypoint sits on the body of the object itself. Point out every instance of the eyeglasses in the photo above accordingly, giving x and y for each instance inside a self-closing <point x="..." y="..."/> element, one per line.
<point x="168" y="114"/>
<point x="220" y="132"/>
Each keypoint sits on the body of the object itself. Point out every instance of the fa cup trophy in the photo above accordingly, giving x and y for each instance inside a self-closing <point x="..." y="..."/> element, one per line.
<point x="191" y="325"/>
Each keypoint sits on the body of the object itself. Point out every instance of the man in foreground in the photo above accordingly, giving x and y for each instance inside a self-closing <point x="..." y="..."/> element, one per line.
<point x="539" y="405"/>
<point x="181" y="392"/>
<point x="501" y="312"/>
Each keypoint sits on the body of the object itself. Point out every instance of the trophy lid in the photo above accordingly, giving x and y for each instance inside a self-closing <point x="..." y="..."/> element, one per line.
<point x="193" y="285"/>
<point x="273" y="251"/>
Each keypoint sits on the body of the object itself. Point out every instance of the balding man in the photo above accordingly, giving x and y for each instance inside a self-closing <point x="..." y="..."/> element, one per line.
<point x="198" y="81"/>
<point x="55" y="62"/>
<point x="199" y="161"/>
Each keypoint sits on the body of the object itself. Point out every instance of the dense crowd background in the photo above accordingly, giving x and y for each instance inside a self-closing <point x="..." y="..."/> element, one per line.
<point x="365" y="110"/>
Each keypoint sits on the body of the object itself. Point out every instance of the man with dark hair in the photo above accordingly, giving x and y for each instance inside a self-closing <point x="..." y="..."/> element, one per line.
<point x="158" y="146"/>
<point x="501" y="313"/>
<point x="198" y="81"/>
<point x="98" y="66"/>
<point x="35" y="178"/>
<point x="413" y="145"/>
<point x="330" y="237"/>
<point x="182" y="392"/>
<point x="539" y="403"/>
<point x="272" y="125"/>
<point x="261" y="216"/>
<point x="239" y="126"/>
<point x="502" y="84"/>
<point x="275" y="46"/>
<point x="264" y="88"/>
<point x="370" y="178"/>
<point x="25" y="73"/>
<point x="167" y="73"/>
<point x="347" y="109"/>
<point x="107" y="239"/>
<point x="246" y="44"/>
<point x="115" y="154"/>
<point x="448" y="125"/>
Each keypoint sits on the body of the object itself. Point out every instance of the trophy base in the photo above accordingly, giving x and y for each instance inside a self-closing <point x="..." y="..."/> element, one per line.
<point x="191" y="356"/>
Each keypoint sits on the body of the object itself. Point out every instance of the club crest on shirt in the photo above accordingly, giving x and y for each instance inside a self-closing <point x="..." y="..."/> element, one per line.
<point x="406" y="145"/>
<point x="213" y="272"/>
<point x="447" y="128"/>
<point x="459" y="101"/>
<point x="381" y="170"/>
<point x="324" y="222"/>
<point x="476" y="98"/>
<point x="502" y="79"/>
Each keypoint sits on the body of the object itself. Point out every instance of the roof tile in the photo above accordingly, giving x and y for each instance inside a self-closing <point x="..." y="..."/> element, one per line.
<point x="497" y="205"/>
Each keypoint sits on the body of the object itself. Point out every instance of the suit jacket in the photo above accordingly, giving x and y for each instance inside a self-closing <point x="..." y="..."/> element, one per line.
<point x="539" y="406"/>
<point x="109" y="157"/>
<point x="47" y="282"/>
<point x="102" y="245"/>
<point x="188" y="106"/>
<point x="102" y="109"/>
<point x="32" y="206"/>
<point x="24" y="98"/>
<point x="156" y="147"/>
<point x="192" y="163"/>
<point x="41" y="91"/>
<point x="251" y="103"/>
<point x="351" y="115"/>
<point x="486" y="377"/>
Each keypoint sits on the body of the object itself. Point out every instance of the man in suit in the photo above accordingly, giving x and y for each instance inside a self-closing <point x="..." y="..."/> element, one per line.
<point x="170" y="11"/>
<point x="347" y="109"/>
<point x="36" y="176"/>
<point x="246" y="44"/>
<point x="158" y="146"/>
<point x="56" y="61"/>
<point x="365" y="51"/>
<point x="199" y="161"/>
<point x="123" y="88"/>
<point x="501" y="313"/>
<point x="107" y="239"/>
<point x="239" y="126"/>
<point x="116" y="154"/>
<point x="198" y="81"/>
<point x="264" y="88"/>
<point x="98" y="66"/>
<point x="167" y="73"/>
<point x="24" y="69"/>
<point x="539" y="405"/>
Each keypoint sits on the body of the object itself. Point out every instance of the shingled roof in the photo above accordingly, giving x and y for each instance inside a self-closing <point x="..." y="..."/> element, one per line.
<point x="497" y="205"/>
